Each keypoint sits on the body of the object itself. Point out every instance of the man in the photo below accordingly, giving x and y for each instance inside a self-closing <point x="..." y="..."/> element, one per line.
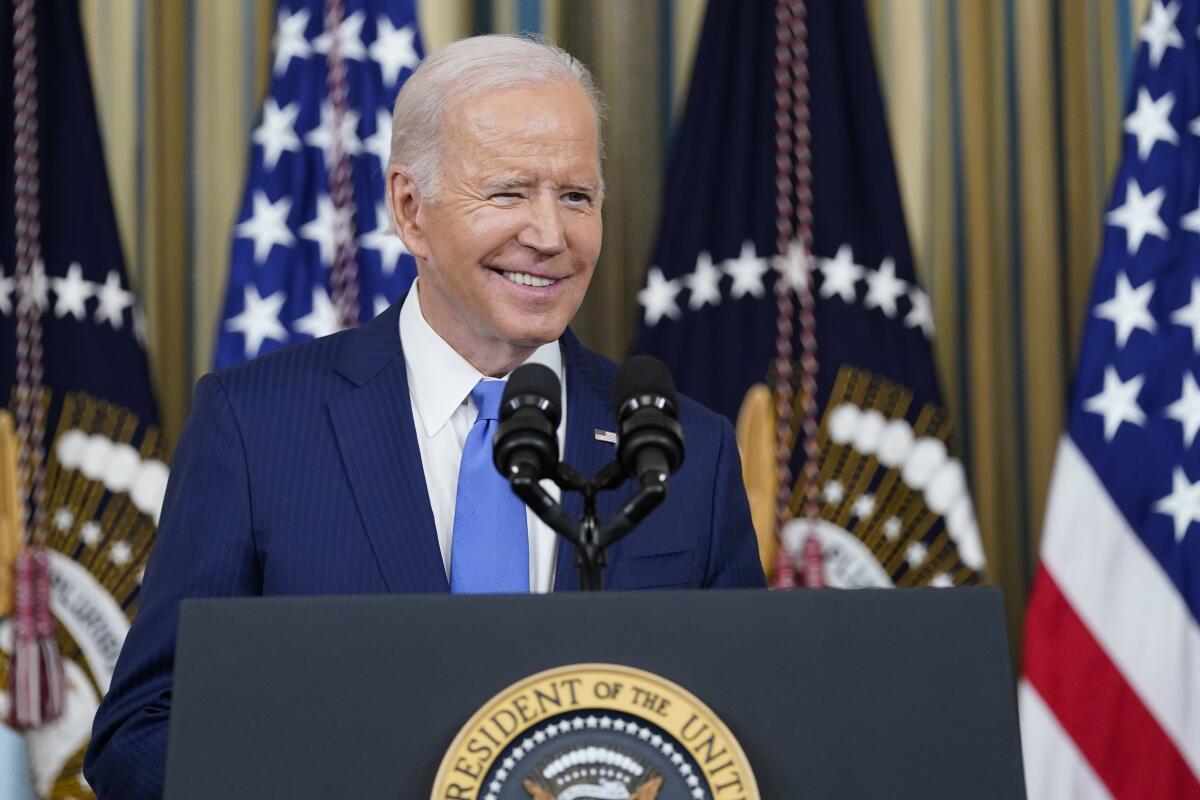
<point x="360" y="462"/>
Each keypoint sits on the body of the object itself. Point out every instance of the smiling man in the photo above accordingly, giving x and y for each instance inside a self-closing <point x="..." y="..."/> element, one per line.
<point x="361" y="462"/>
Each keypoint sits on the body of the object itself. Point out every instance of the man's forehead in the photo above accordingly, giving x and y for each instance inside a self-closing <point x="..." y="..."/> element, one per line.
<point x="561" y="111"/>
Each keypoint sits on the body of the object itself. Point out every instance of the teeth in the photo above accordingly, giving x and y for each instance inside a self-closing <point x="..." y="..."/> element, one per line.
<point x="525" y="279"/>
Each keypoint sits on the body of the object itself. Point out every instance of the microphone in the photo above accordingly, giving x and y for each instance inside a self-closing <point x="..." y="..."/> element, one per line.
<point x="526" y="443"/>
<point x="650" y="444"/>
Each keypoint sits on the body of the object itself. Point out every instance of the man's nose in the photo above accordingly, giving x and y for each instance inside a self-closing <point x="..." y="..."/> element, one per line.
<point x="544" y="229"/>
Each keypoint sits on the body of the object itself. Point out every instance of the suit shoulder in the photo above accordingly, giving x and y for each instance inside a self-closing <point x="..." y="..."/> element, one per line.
<point x="304" y="362"/>
<point x="700" y="418"/>
<point x="319" y="366"/>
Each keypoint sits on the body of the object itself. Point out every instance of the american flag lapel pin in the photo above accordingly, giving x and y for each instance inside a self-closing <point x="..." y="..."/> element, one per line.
<point x="606" y="436"/>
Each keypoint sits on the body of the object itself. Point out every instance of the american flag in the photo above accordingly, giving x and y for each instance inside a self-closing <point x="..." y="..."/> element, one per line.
<point x="891" y="495"/>
<point x="313" y="246"/>
<point x="1110" y="701"/>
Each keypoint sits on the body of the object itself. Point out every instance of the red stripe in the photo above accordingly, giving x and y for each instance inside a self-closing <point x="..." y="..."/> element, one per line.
<point x="1128" y="749"/>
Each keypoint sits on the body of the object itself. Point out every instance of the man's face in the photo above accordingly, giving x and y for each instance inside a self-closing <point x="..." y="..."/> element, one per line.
<point x="507" y="248"/>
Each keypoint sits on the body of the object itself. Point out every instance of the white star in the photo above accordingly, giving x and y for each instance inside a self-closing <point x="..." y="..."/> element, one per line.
<point x="277" y="131"/>
<point x="1191" y="220"/>
<point x="1194" y="126"/>
<point x="920" y="315"/>
<point x="383" y="239"/>
<point x="915" y="554"/>
<point x="71" y="293"/>
<point x="658" y="297"/>
<point x="1139" y="215"/>
<point x="795" y="267"/>
<point x="90" y="533"/>
<point x="840" y="275"/>
<point x="113" y="301"/>
<point x="1182" y="505"/>
<point x="381" y="304"/>
<point x="393" y="50"/>
<point x="267" y="225"/>
<point x="35" y="287"/>
<point x="7" y="284"/>
<point x="348" y="36"/>
<point x="747" y="271"/>
<point x="941" y="581"/>
<point x="884" y="288"/>
<point x="1150" y="122"/>
<point x="322" y="136"/>
<point x="833" y="493"/>
<point x="120" y="554"/>
<point x="1128" y="309"/>
<point x="864" y="506"/>
<point x="380" y="142"/>
<point x="259" y="319"/>
<point x="323" y="319"/>
<point x="892" y="528"/>
<point x="290" y="41"/>
<point x="64" y="519"/>
<point x="1189" y="315"/>
<point x="703" y="283"/>
<point x="139" y="326"/>
<point x="1117" y="402"/>
<point x="322" y="229"/>
<point x="1159" y="32"/>
<point x="1186" y="410"/>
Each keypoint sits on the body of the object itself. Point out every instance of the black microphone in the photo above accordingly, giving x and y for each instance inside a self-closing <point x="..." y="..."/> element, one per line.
<point x="650" y="443"/>
<point x="526" y="440"/>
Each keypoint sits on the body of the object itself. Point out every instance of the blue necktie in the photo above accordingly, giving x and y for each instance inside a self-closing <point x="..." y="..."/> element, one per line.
<point x="490" y="549"/>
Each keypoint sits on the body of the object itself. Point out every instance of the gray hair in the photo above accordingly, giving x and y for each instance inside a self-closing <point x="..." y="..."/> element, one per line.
<point x="466" y="69"/>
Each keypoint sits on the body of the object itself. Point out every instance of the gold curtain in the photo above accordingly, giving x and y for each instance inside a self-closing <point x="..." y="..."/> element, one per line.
<point x="1006" y="125"/>
<point x="1005" y="121"/>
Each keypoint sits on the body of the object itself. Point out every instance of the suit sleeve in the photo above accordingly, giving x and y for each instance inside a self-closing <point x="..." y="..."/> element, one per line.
<point x="204" y="548"/>
<point x="733" y="547"/>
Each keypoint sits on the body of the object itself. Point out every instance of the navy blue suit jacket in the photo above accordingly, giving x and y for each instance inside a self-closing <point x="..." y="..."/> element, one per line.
<point x="300" y="473"/>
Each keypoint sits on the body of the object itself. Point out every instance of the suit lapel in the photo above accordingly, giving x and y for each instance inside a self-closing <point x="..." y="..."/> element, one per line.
<point x="589" y="408"/>
<point x="377" y="439"/>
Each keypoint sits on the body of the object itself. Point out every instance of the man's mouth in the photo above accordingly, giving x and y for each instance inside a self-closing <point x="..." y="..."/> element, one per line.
<point x="526" y="279"/>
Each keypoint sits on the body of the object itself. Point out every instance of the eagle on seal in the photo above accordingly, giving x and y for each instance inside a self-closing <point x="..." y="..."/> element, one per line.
<point x="647" y="791"/>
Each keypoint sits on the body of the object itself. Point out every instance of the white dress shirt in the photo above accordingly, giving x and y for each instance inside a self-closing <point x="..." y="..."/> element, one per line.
<point x="439" y="386"/>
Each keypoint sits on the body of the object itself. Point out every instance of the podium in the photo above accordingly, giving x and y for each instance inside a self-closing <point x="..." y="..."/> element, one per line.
<point x="830" y="694"/>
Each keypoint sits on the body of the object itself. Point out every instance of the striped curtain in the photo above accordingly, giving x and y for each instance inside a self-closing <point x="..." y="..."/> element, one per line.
<point x="1005" y="121"/>
<point x="1006" y="124"/>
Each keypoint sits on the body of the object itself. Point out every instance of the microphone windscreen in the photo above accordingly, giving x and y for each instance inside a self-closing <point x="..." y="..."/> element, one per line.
<point x="640" y="376"/>
<point x="535" y="379"/>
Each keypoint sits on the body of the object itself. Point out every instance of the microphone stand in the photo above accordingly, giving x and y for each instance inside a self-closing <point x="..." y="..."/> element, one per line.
<point x="591" y="539"/>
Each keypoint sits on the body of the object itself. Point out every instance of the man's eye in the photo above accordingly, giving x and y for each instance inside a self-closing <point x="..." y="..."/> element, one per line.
<point x="577" y="197"/>
<point x="508" y="195"/>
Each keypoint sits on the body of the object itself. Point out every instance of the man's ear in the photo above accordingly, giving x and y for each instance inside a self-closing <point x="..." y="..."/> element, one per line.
<point x="405" y="201"/>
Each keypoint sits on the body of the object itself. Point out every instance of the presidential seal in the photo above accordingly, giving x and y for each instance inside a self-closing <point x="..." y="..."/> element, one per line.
<point x="595" y="732"/>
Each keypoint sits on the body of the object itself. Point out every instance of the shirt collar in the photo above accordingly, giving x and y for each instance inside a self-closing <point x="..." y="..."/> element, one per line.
<point x="440" y="380"/>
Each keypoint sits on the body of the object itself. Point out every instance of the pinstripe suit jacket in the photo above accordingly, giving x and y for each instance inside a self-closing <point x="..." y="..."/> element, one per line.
<point x="300" y="473"/>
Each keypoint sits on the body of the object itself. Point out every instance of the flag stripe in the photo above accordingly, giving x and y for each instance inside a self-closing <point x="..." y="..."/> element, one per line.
<point x="1087" y="693"/>
<point x="1123" y="598"/>
<point x="1054" y="767"/>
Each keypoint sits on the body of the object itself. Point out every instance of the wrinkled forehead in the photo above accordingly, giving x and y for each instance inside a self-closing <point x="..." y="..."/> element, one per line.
<point x="555" y="121"/>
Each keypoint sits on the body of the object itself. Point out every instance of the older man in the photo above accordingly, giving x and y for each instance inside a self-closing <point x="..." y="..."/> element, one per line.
<point x="359" y="463"/>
